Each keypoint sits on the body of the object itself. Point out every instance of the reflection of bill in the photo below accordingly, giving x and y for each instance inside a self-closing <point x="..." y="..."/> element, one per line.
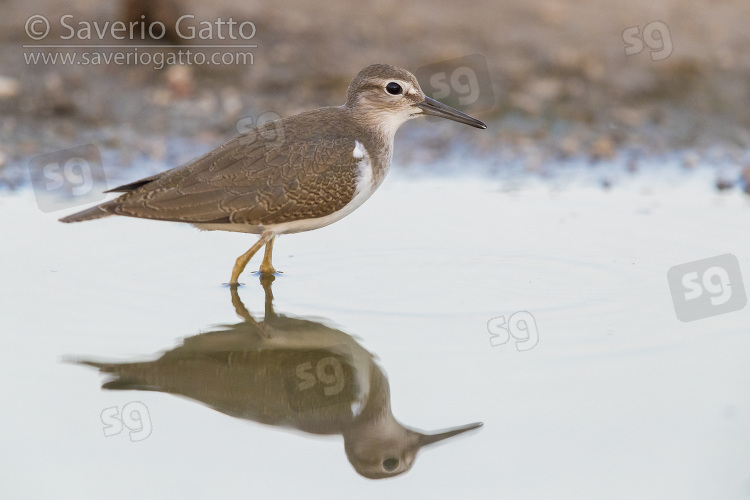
<point x="290" y="372"/>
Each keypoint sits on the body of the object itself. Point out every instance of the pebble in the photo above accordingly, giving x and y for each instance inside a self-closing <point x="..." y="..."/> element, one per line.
<point x="603" y="148"/>
<point x="8" y="87"/>
<point x="180" y="80"/>
<point x="724" y="184"/>
<point x="690" y="160"/>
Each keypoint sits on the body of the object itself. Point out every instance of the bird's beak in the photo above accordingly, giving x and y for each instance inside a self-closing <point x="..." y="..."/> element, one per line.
<point x="436" y="108"/>
<point x="426" y="439"/>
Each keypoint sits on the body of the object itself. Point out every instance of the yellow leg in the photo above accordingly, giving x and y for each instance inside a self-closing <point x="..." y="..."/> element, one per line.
<point x="266" y="267"/>
<point x="243" y="259"/>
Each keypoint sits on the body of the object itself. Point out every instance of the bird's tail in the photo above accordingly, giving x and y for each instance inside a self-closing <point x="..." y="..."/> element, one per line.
<point x="104" y="367"/>
<point x="126" y="376"/>
<point x="92" y="213"/>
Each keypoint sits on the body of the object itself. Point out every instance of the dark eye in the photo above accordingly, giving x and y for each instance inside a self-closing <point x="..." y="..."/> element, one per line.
<point x="390" y="464"/>
<point x="393" y="88"/>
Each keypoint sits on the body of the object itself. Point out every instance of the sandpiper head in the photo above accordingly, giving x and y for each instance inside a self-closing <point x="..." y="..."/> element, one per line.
<point x="381" y="451"/>
<point x="386" y="96"/>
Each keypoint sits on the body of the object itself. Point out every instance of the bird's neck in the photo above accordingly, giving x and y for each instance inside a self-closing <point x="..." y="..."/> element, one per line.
<point x="377" y="134"/>
<point x="381" y="124"/>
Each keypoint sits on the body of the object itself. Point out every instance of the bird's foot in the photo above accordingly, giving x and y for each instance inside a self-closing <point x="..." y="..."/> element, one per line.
<point x="266" y="269"/>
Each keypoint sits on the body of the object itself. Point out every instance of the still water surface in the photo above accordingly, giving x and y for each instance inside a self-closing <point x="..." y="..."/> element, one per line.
<point x="600" y="392"/>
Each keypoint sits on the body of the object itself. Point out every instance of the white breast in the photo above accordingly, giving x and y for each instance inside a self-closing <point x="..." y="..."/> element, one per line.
<point x="359" y="150"/>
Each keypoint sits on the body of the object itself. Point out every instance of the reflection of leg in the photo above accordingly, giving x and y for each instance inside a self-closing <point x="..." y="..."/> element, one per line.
<point x="266" y="267"/>
<point x="265" y="282"/>
<point x="239" y="307"/>
<point x="243" y="259"/>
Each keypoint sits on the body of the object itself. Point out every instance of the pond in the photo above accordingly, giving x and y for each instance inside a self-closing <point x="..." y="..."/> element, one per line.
<point x="560" y="314"/>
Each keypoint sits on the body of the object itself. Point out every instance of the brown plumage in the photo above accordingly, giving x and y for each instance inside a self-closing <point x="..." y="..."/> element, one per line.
<point x="289" y="372"/>
<point x="296" y="174"/>
<point x="250" y="179"/>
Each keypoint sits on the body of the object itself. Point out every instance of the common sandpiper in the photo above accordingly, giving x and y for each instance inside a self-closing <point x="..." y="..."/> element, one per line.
<point x="296" y="174"/>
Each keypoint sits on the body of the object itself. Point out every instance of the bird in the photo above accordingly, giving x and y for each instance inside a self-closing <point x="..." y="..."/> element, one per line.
<point x="299" y="173"/>
<point x="285" y="371"/>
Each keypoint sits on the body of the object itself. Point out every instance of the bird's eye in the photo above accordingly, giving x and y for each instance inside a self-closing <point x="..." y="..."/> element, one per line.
<point x="390" y="464"/>
<point x="393" y="88"/>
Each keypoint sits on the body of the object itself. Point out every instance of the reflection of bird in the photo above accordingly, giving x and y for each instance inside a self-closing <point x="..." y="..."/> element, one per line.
<point x="290" y="372"/>
<point x="296" y="174"/>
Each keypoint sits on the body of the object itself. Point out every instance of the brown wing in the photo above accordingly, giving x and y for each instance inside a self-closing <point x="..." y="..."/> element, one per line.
<point x="251" y="180"/>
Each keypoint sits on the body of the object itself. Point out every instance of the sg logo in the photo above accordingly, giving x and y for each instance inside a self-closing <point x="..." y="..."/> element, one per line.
<point x="463" y="83"/>
<point x="70" y="174"/>
<point x="329" y="373"/>
<point x="271" y="136"/>
<point x="520" y="325"/>
<point x="707" y="287"/>
<point x="656" y="37"/>
<point x="134" y="416"/>
<point x="322" y="378"/>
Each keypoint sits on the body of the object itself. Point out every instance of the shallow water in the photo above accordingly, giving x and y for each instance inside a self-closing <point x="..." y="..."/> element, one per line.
<point x="601" y="393"/>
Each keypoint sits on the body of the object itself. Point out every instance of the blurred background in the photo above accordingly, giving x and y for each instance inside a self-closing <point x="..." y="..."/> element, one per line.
<point x="604" y="208"/>
<point x="560" y="83"/>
